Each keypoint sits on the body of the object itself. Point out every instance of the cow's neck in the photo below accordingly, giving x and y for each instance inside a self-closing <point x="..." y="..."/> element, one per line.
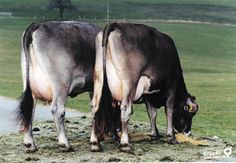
<point x="181" y="90"/>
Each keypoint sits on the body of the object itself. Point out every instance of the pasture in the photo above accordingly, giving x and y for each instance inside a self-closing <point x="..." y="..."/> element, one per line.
<point x="207" y="52"/>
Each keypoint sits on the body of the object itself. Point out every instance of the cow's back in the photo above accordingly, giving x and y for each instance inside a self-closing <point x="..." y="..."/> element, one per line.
<point x="76" y="38"/>
<point x="156" y="49"/>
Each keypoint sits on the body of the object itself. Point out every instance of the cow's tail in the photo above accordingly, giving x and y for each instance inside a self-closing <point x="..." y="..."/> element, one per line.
<point x="25" y="108"/>
<point x="106" y="32"/>
<point x="107" y="117"/>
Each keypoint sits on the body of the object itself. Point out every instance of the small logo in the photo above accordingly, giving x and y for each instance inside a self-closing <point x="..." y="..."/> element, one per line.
<point x="228" y="151"/>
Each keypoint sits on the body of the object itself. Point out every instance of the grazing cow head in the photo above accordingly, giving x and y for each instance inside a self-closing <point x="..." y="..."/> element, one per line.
<point x="184" y="112"/>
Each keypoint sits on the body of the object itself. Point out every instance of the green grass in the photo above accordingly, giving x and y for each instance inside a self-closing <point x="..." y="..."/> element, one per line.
<point x="220" y="11"/>
<point x="207" y="52"/>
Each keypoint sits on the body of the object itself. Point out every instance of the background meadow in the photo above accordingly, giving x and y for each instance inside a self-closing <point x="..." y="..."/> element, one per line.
<point x="207" y="50"/>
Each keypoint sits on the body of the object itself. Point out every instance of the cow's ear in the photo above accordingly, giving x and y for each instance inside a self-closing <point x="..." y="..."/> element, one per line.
<point x="194" y="98"/>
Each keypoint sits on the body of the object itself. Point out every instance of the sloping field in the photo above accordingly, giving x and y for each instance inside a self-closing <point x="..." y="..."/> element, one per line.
<point x="208" y="57"/>
<point x="220" y="11"/>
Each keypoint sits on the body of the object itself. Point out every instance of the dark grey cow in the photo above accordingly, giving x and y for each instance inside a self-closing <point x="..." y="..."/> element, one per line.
<point x="136" y="61"/>
<point x="57" y="61"/>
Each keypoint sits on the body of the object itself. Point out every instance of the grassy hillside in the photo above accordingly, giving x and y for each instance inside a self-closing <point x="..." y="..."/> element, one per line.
<point x="220" y="11"/>
<point x="207" y="52"/>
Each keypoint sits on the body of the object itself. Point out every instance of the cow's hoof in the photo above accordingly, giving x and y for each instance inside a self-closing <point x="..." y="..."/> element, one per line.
<point x="172" y="140"/>
<point x="95" y="147"/>
<point x="160" y="135"/>
<point x="116" y="138"/>
<point x="155" y="136"/>
<point x="127" y="148"/>
<point x="30" y="148"/>
<point x="66" y="148"/>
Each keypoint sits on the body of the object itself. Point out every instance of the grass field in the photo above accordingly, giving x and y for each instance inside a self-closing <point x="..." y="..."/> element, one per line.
<point x="222" y="11"/>
<point x="207" y="53"/>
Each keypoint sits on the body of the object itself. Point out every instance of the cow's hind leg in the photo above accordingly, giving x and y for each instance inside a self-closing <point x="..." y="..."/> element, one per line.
<point x="126" y="111"/>
<point x="98" y="75"/>
<point x="28" y="137"/>
<point x="95" y="144"/>
<point x="25" y="116"/>
<point x="97" y="92"/>
<point x="58" y="111"/>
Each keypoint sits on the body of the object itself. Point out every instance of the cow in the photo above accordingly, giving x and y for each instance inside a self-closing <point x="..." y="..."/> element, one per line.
<point x="57" y="61"/>
<point x="137" y="61"/>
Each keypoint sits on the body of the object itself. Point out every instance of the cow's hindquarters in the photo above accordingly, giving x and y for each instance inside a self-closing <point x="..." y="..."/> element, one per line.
<point x="39" y="80"/>
<point x="122" y="80"/>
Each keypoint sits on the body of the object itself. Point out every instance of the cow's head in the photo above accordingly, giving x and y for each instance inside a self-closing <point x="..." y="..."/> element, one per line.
<point x="183" y="114"/>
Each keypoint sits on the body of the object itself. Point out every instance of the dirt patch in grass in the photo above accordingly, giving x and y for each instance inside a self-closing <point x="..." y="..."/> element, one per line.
<point x="145" y="149"/>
